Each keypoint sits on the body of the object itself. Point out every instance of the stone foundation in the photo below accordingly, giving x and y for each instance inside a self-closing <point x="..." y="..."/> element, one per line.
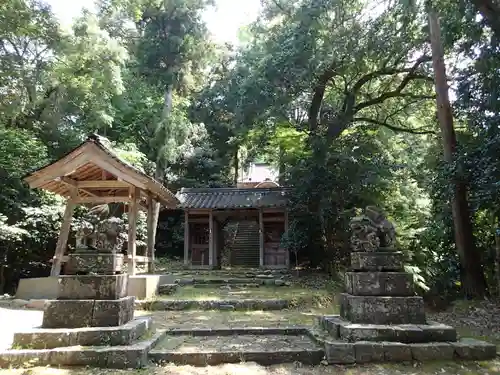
<point x="88" y="313"/>
<point x="119" y="357"/>
<point x="50" y="338"/>
<point x="340" y="352"/>
<point x="93" y="287"/>
<point x="89" y="324"/>
<point x="382" y="309"/>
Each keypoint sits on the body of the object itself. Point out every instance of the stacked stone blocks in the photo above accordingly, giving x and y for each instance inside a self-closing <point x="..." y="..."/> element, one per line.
<point x="92" y="320"/>
<point x="381" y="318"/>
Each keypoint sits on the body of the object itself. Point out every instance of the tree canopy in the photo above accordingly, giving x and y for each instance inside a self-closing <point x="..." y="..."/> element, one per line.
<point x="338" y="95"/>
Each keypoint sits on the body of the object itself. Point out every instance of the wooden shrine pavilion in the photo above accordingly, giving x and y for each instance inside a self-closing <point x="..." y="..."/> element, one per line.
<point x="260" y="217"/>
<point x="93" y="174"/>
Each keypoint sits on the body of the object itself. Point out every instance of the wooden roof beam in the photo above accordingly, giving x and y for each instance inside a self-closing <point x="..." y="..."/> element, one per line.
<point x="41" y="178"/>
<point x="102" y="200"/>
<point x="102" y="184"/>
<point x="74" y="184"/>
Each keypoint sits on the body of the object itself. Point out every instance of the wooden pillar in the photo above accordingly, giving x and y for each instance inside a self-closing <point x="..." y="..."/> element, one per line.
<point x="151" y="235"/>
<point x="132" y="230"/>
<point x="261" y="238"/>
<point x="211" y="239"/>
<point x="62" y="241"/>
<point x="216" y="243"/>
<point x="287" y="259"/>
<point x="186" y="238"/>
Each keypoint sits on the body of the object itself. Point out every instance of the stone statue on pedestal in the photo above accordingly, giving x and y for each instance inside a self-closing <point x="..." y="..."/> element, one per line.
<point x="99" y="243"/>
<point x="372" y="231"/>
<point x="110" y="235"/>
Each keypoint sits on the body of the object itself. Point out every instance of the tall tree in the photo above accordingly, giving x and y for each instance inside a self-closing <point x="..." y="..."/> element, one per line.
<point x="168" y="56"/>
<point x="474" y="281"/>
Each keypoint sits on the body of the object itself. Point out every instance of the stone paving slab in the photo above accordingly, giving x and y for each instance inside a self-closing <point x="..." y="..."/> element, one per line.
<point x="49" y="338"/>
<point x="229" y="286"/>
<point x="269" y="281"/>
<point x="213" y="350"/>
<point x="118" y="357"/>
<point x="193" y="319"/>
<point x="229" y="304"/>
<point x="240" y="331"/>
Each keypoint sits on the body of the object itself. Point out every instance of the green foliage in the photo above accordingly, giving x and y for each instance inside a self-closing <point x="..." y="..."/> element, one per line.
<point x="336" y="94"/>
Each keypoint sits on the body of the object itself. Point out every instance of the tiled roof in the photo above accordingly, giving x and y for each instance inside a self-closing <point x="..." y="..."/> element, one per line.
<point x="220" y="198"/>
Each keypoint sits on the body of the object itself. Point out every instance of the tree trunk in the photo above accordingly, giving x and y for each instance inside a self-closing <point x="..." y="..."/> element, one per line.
<point x="236" y="165"/>
<point x="474" y="283"/>
<point x="496" y="228"/>
<point x="160" y="169"/>
<point x="281" y="165"/>
<point x="2" y="279"/>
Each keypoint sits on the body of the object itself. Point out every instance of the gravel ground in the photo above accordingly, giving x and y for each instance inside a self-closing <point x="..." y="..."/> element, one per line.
<point x="437" y="368"/>
<point x="481" y="320"/>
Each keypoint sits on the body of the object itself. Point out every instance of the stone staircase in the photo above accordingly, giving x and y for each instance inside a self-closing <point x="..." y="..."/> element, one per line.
<point x="245" y="249"/>
<point x="228" y="286"/>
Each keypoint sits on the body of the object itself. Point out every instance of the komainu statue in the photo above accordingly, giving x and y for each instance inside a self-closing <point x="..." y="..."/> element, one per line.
<point x="99" y="232"/>
<point x="110" y="235"/>
<point x="371" y="231"/>
<point x="83" y="235"/>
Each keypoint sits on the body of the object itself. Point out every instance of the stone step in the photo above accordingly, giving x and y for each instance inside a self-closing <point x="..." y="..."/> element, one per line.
<point x="265" y="347"/>
<point x="167" y="289"/>
<point x="341" y="352"/>
<point x="226" y="331"/>
<point x="406" y="333"/>
<point x="229" y="286"/>
<point x="116" y="357"/>
<point x="50" y="338"/>
<point x="238" y="272"/>
<point x="261" y="280"/>
<point x="226" y="305"/>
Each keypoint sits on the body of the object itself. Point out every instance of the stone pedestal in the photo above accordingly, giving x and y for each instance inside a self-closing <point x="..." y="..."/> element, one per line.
<point x="86" y="262"/>
<point x="381" y="318"/>
<point x="378" y="291"/>
<point x="92" y="310"/>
